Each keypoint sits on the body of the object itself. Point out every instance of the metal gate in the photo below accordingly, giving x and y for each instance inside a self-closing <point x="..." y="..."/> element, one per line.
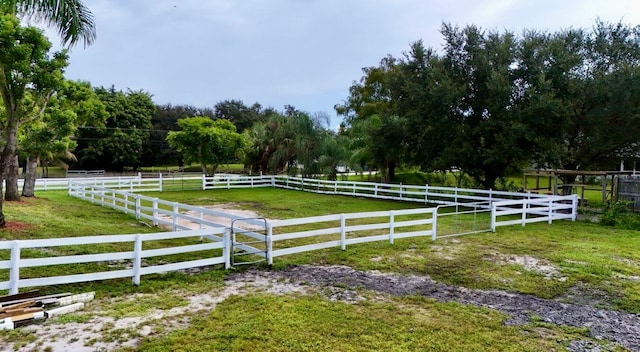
<point x="249" y="243"/>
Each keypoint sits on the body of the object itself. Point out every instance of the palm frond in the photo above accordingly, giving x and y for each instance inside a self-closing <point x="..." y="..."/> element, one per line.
<point x="72" y="18"/>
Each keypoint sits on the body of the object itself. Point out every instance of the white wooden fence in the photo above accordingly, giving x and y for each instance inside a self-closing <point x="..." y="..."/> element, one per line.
<point x="526" y="211"/>
<point x="387" y="221"/>
<point x="337" y="230"/>
<point x="133" y="259"/>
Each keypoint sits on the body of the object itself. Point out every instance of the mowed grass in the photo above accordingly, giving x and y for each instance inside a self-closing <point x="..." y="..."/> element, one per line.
<point x="596" y="260"/>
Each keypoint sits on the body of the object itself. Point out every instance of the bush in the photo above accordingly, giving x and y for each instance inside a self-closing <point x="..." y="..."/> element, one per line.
<point x="618" y="214"/>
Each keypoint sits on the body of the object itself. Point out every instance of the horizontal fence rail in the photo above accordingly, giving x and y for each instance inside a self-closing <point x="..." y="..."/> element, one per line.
<point x="133" y="259"/>
<point x="341" y="232"/>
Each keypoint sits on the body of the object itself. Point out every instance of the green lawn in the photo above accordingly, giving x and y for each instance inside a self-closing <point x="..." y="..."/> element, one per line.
<point x="585" y="255"/>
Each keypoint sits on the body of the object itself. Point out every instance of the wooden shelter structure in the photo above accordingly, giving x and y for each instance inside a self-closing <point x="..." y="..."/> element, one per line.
<point x="603" y="181"/>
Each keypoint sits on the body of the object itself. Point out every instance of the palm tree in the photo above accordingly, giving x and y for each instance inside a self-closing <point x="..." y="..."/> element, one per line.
<point x="71" y="18"/>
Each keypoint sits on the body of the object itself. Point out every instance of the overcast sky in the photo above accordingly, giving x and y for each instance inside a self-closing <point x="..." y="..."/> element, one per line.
<point x="305" y="53"/>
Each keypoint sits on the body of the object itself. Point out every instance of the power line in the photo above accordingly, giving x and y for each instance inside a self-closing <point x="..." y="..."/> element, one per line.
<point x="122" y="128"/>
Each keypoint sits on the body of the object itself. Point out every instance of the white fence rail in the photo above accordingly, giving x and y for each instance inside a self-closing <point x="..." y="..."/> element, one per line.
<point x="410" y="193"/>
<point x="53" y="184"/>
<point x="133" y="257"/>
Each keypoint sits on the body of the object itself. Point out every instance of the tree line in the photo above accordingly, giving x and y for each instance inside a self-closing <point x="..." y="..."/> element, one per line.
<point x="492" y="102"/>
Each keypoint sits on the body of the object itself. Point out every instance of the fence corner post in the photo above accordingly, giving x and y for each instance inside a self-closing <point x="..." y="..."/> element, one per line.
<point x="343" y="232"/>
<point x="14" y="273"/>
<point x="137" y="259"/>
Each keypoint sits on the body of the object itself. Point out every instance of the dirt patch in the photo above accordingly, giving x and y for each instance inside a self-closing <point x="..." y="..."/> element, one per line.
<point x="105" y="333"/>
<point x="16" y="226"/>
<point x="529" y="263"/>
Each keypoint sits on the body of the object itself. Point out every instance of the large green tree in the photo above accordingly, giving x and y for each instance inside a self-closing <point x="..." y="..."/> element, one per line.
<point x="594" y="80"/>
<point x="207" y="142"/>
<point x="29" y="76"/>
<point x="119" y="143"/>
<point x="157" y="151"/>
<point x="241" y="115"/>
<point x="492" y="102"/>
<point x="49" y="140"/>
<point x="74" y="23"/>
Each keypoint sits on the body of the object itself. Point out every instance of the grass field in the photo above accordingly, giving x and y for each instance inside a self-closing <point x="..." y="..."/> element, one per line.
<point x="596" y="260"/>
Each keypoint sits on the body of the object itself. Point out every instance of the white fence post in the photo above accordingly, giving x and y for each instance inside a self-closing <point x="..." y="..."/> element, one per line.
<point x="269" y="244"/>
<point x="14" y="273"/>
<point x="228" y="182"/>
<point x="550" y="211"/>
<point x="160" y="181"/>
<point x="392" y="219"/>
<point x="434" y="224"/>
<point x="426" y="193"/>
<point x="137" y="206"/>
<point x="155" y="212"/>
<point x="137" y="259"/>
<point x="494" y="209"/>
<point x="343" y="232"/>
<point x="273" y="181"/>
<point x="204" y="182"/>
<point x="226" y="249"/>
<point x="574" y="207"/>
<point x="175" y="217"/>
<point x="524" y="212"/>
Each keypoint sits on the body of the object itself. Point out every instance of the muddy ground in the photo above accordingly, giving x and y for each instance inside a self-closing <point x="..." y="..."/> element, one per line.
<point x="615" y="326"/>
